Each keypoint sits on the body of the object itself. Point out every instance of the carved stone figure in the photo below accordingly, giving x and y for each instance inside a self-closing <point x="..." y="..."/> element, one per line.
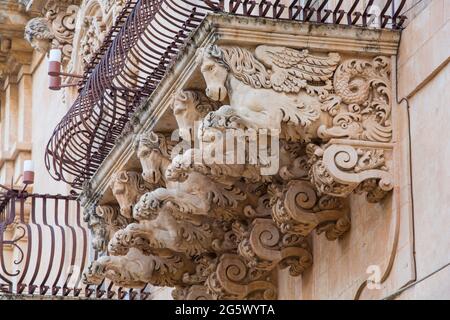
<point x="56" y="29"/>
<point x="284" y="99"/>
<point x="219" y="230"/>
<point x="189" y="107"/>
<point x="39" y="34"/>
<point x="263" y="246"/>
<point x="127" y="187"/>
<point x="234" y="280"/>
<point x="188" y="235"/>
<point x="195" y="292"/>
<point x="135" y="269"/>
<point x="340" y="169"/>
<point x="187" y="192"/>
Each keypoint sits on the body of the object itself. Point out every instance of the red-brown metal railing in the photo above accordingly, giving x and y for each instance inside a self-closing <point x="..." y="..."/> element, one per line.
<point x="44" y="248"/>
<point x="135" y="55"/>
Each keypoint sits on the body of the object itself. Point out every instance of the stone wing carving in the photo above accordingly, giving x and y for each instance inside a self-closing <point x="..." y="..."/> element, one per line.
<point x="293" y="69"/>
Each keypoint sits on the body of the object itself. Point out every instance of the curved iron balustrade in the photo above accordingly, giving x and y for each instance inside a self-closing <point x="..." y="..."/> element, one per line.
<point x="50" y="247"/>
<point x="135" y="55"/>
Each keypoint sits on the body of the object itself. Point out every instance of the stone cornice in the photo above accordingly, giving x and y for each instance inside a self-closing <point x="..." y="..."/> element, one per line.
<point x="240" y="31"/>
<point x="11" y="154"/>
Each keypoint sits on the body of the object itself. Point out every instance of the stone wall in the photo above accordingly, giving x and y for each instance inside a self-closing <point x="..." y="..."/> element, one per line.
<point x="403" y="241"/>
<point x="424" y="76"/>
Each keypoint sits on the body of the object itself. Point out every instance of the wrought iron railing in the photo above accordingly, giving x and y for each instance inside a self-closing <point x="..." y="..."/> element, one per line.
<point x="136" y="53"/>
<point x="44" y="248"/>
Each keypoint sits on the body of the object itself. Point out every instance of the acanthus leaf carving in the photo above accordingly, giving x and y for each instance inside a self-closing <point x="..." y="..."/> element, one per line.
<point x="235" y="224"/>
<point x="298" y="209"/>
<point x="233" y="280"/>
<point x="263" y="246"/>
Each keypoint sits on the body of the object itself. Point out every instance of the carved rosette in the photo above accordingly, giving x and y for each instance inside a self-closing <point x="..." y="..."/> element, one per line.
<point x="217" y="230"/>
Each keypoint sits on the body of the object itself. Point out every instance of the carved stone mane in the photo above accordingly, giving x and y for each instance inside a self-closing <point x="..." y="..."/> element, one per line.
<point x="242" y="64"/>
<point x="153" y="140"/>
<point x="38" y="28"/>
<point x="202" y="104"/>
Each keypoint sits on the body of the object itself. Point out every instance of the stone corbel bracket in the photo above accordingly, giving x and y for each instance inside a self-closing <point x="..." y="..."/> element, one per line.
<point x="346" y="166"/>
<point x="264" y="247"/>
<point x="233" y="279"/>
<point x="299" y="209"/>
<point x="310" y="192"/>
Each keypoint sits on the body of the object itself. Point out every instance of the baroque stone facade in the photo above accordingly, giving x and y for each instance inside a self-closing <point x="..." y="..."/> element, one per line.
<point x="307" y="231"/>
<point x="219" y="230"/>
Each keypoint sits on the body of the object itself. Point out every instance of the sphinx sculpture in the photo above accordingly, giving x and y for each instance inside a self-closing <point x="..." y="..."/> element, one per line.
<point x="217" y="230"/>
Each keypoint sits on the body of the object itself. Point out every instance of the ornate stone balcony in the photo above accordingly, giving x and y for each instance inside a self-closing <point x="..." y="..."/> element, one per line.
<point x="162" y="213"/>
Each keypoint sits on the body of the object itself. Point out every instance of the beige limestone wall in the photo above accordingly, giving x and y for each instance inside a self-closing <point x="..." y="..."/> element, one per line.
<point x="424" y="78"/>
<point x="47" y="110"/>
<point x="340" y="267"/>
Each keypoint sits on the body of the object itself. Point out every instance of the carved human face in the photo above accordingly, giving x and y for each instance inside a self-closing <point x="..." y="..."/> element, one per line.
<point x="215" y="77"/>
<point x="151" y="162"/>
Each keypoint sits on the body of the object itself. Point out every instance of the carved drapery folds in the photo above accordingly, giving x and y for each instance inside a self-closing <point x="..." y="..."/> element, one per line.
<point x="218" y="230"/>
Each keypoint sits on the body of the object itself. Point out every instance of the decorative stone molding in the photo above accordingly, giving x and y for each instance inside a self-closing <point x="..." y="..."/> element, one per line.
<point x="95" y="32"/>
<point x="56" y="29"/>
<point x="127" y="187"/>
<point x="232" y="224"/>
<point x="234" y="280"/>
<point x="104" y="222"/>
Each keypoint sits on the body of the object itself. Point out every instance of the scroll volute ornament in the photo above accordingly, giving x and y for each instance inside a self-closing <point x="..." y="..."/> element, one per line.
<point x="344" y="168"/>
<point x="136" y="269"/>
<point x="298" y="209"/>
<point x="195" y="292"/>
<point x="234" y="280"/>
<point x="264" y="247"/>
